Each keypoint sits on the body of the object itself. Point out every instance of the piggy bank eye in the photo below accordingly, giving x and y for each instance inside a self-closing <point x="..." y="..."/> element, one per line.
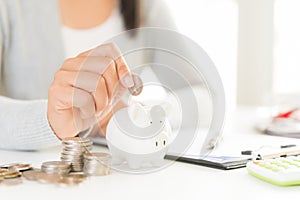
<point x="150" y="122"/>
<point x="160" y="121"/>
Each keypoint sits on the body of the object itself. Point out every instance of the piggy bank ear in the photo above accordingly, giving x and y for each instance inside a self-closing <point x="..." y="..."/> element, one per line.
<point x="139" y="115"/>
<point x="157" y="112"/>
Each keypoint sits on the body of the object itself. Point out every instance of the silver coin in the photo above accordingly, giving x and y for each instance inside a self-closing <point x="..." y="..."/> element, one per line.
<point x="58" y="164"/>
<point x="2" y="170"/>
<point x="10" y="174"/>
<point x="56" y="171"/>
<point x="78" y="148"/>
<point x="77" y="169"/>
<point x="73" y="150"/>
<point x="97" y="171"/>
<point x="73" y="179"/>
<point x="71" y="157"/>
<point x="76" y="176"/>
<point x="137" y="88"/>
<point x="8" y="165"/>
<point x="97" y="155"/>
<point x="20" y="167"/>
<point x="48" y="178"/>
<point x="69" y="182"/>
<point x="72" y="154"/>
<point x="97" y="164"/>
<point x="76" y="140"/>
<point x="31" y="175"/>
<point x="77" y="145"/>
<point x="70" y="160"/>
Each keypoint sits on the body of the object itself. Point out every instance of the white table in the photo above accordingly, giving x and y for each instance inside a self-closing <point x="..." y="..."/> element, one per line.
<point x="178" y="181"/>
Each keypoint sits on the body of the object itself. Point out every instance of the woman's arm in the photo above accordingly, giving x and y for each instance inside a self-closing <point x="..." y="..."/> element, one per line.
<point x="24" y="125"/>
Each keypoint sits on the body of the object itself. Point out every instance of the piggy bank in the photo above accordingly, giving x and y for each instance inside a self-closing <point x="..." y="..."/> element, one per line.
<point x="138" y="137"/>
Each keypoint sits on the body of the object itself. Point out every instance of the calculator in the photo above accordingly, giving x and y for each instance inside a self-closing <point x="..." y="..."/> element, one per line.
<point x="283" y="171"/>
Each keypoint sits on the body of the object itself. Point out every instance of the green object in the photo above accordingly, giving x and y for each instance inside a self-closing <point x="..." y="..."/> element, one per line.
<point x="289" y="183"/>
<point x="278" y="171"/>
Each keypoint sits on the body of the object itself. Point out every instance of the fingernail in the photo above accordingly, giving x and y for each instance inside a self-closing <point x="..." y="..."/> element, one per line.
<point x="127" y="81"/>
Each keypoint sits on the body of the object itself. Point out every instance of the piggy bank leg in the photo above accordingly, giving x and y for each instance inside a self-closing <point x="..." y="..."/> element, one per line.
<point x="133" y="163"/>
<point x="158" y="159"/>
<point x="116" y="156"/>
<point x="157" y="162"/>
<point x="116" y="160"/>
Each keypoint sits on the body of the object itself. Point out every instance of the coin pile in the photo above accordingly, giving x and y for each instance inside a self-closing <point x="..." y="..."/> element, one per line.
<point x="52" y="178"/>
<point x="73" y="150"/>
<point x="10" y="173"/>
<point x="56" y="167"/>
<point x="97" y="164"/>
<point x="76" y="164"/>
<point x="16" y="167"/>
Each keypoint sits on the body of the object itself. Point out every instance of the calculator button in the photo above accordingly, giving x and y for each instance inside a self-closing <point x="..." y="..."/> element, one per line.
<point x="282" y="171"/>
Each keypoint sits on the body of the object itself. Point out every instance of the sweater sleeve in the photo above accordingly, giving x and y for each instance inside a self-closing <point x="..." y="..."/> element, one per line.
<point x="24" y="125"/>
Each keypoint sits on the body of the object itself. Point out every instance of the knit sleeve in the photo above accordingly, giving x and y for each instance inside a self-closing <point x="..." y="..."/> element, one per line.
<point x="24" y="125"/>
<point x="1" y="43"/>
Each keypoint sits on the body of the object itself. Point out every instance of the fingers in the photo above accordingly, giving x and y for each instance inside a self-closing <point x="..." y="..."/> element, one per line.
<point x="80" y="123"/>
<point x="100" y="87"/>
<point x="70" y="110"/>
<point x="124" y="74"/>
<point x="84" y="86"/>
<point x="101" y="96"/>
<point x="83" y="80"/>
<point x="111" y="80"/>
<point x="67" y="97"/>
<point x="96" y="65"/>
<point x="111" y="51"/>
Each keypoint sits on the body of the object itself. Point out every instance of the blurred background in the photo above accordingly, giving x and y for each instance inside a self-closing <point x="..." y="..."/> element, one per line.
<point x="253" y="43"/>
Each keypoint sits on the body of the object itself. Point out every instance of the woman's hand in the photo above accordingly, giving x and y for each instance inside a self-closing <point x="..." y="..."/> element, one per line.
<point x="83" y="87"/>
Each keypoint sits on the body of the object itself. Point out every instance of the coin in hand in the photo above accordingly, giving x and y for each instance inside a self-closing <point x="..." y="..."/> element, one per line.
<point x="137" y="88"/>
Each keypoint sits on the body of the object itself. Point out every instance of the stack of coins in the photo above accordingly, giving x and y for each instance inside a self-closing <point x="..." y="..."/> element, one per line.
<point x="56" y="167"/>
<point x="73" y="150"/>
<point x="97" y="164"/>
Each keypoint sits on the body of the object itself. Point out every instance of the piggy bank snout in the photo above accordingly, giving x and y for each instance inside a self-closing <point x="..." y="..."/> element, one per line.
<point x="161" y="141"/>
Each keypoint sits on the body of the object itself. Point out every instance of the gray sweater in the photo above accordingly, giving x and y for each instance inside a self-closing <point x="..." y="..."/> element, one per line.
<point x="31" y="51"/>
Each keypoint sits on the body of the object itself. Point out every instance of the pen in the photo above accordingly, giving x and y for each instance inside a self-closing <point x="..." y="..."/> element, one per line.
<point x="287" y="146"/>
<point x="249" y="152"/>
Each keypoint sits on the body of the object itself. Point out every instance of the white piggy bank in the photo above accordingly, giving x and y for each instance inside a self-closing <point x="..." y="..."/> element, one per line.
<point x="141" y="139"/>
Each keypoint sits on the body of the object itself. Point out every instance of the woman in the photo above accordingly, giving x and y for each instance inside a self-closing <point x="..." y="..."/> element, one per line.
<point x="35" y="39"/>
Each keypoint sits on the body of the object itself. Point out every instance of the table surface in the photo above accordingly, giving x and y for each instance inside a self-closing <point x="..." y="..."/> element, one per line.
<point x="178" y="181"/>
